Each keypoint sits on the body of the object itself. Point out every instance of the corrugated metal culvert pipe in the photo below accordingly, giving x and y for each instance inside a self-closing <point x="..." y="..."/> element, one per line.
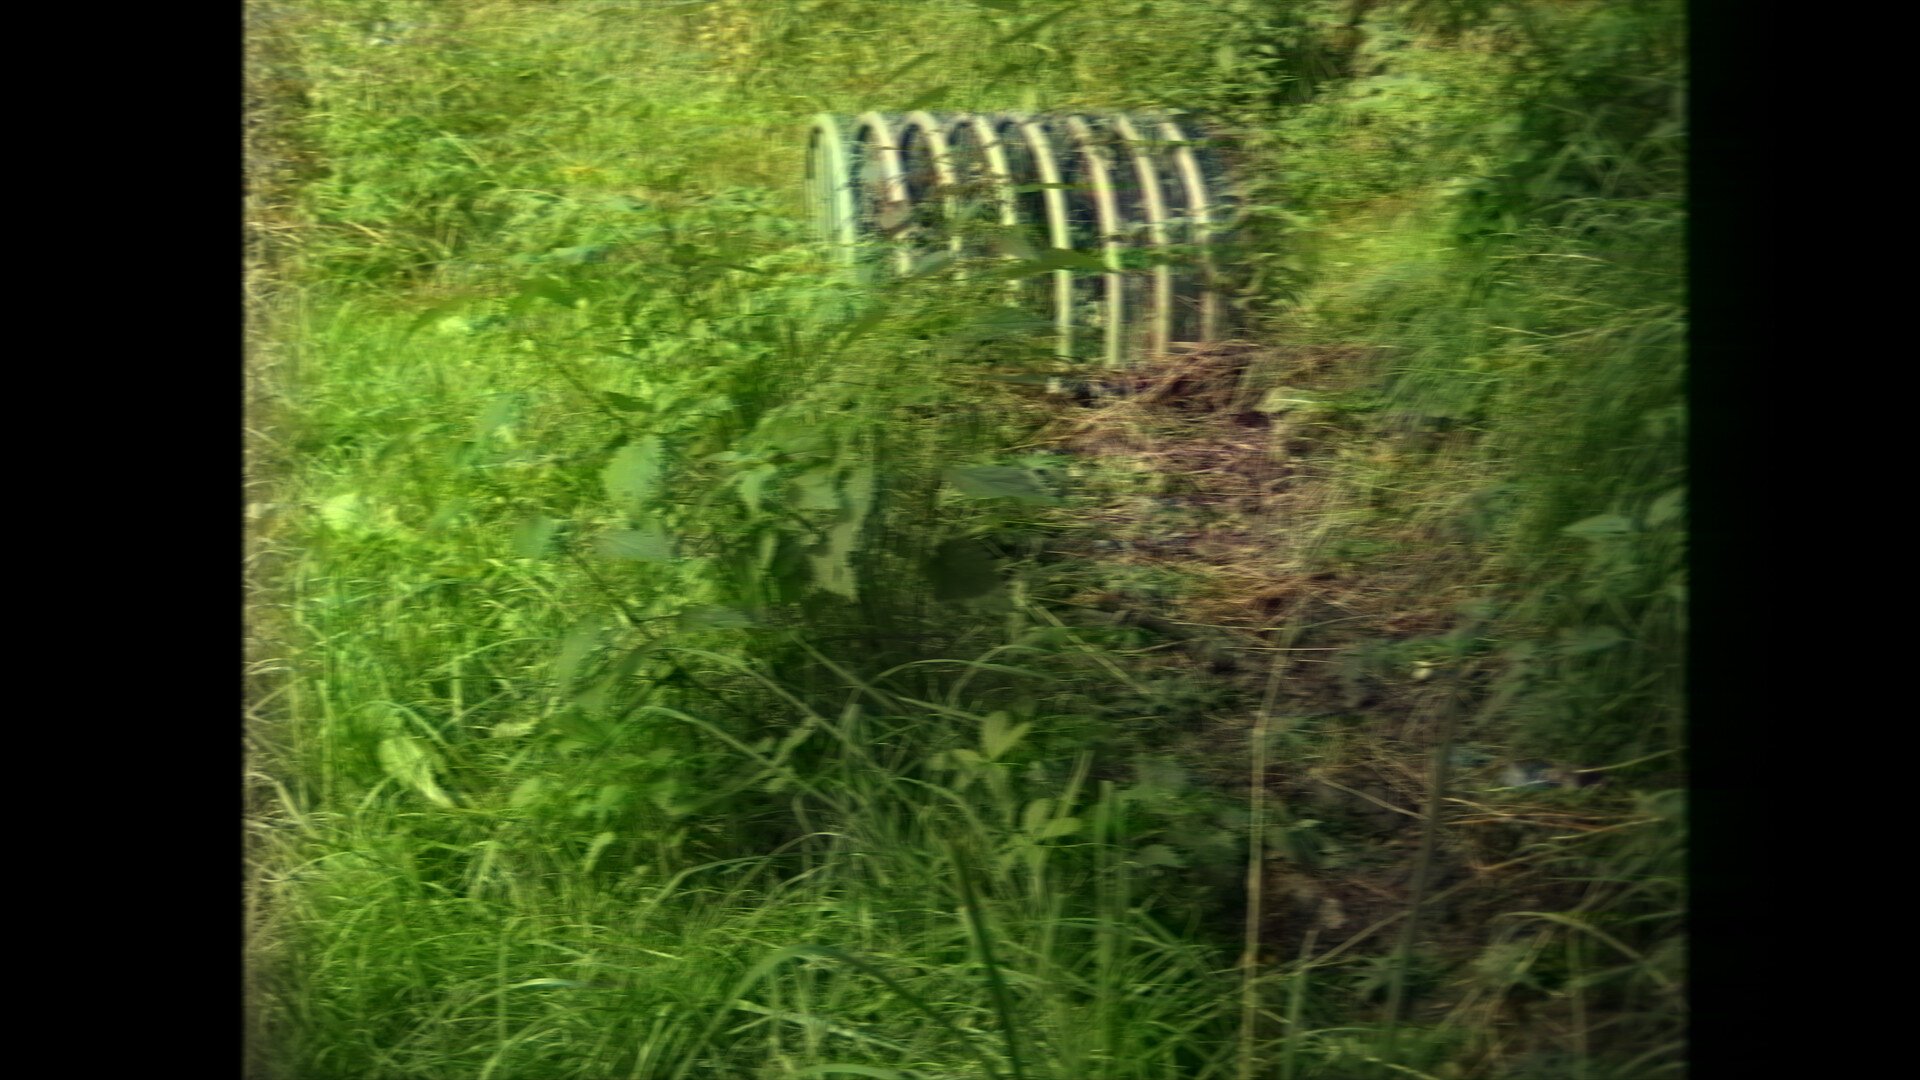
<point x="1129" y="209"/>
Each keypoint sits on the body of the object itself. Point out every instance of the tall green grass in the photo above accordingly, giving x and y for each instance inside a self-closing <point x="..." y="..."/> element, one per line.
<point x="649" y="681"/>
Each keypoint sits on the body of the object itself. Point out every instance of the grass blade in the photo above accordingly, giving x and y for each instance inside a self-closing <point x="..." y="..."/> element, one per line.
<point x="983" y="940"/>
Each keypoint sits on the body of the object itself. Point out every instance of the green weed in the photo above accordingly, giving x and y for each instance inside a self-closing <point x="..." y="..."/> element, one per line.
<point x="663" y="662"/>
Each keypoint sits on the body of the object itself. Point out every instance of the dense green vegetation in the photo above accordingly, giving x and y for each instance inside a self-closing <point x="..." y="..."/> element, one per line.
<point x="672" y="656"/>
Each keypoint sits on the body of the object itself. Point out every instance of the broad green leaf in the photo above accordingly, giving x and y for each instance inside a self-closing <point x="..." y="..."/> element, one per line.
<point x="818" y="489"/>
<point x="600" y="843"/>
<point x="998" y="735"/>
<point x="962" y="757"/>
<point x="498" y="414"/>
<point x="1589" y="639"/>
<point x="547" y="288"/>
<point x="513" y="729"/>
<point x="1667" y="507"/>
<point x="633" y="476"/>
<point x="580" y="642"/>
<point x="858" y="493"/>
<point x="622" y="402"/>
<point x="1158" y="855"/>
<point x="931" y="97"/>
<point x="716" y="618"/>
<point x="1281" y="399"/>
<point x="793" y="740"/>
<point x="788" y="572"/>
<point x="576" y="256"/>
<point x="711" y="405"/>
<point x="1058" y="827"/>
<point x="1013" y="243"/>
<point x="961" y="569"/>
<point x="575" y="724"/>
<point x="666" y="796"/>
<point x="531" y="538"/>
<point x="611" y="798"/>
<point x="1662" y="422"/>
<point x="638" y="545"/>
<point x="406" y="760"/>
<point x="342" y="511"/>
<point x="1600" y="527"/>
<point x="387" y="719"/>
<point x="1034" y="817"/>
<point x="874" y="317"/>
<point x="1154" y="778"/>
<point x="800" y="444"/>
<point x="769" y="549"/>
<point x="440" y="313"/>
<point x="999" y="482"/>
<point x="753" y="484"/>
<point x="598" y="694"/>
<point x="833" y="560"/>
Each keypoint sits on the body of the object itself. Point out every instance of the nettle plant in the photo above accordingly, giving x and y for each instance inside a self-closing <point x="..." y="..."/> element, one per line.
<point x="765" y="446"/>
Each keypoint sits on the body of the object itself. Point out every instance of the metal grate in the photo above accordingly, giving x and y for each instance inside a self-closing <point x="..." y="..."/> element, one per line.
<point x="1141" y="197"/>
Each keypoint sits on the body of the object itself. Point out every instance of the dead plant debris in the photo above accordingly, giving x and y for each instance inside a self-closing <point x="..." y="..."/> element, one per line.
<point x="1254" y="511"/>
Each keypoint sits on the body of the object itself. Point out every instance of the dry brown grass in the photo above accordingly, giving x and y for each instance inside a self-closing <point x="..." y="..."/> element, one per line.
<point x="1247" y="507"/>
<point x="1281" y="529"/>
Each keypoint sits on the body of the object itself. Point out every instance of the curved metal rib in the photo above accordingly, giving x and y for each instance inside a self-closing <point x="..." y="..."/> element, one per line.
<point x="1199" y="207"/>
<point x="931" y="181"/>
<point x="923" y="185"/>
<point x="1150" y="215"/>
<point x="829" y="188"/>
<point x="1091" y="152"/>
<point x="884" y="210"/>
<point x="1042" y="171"/>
